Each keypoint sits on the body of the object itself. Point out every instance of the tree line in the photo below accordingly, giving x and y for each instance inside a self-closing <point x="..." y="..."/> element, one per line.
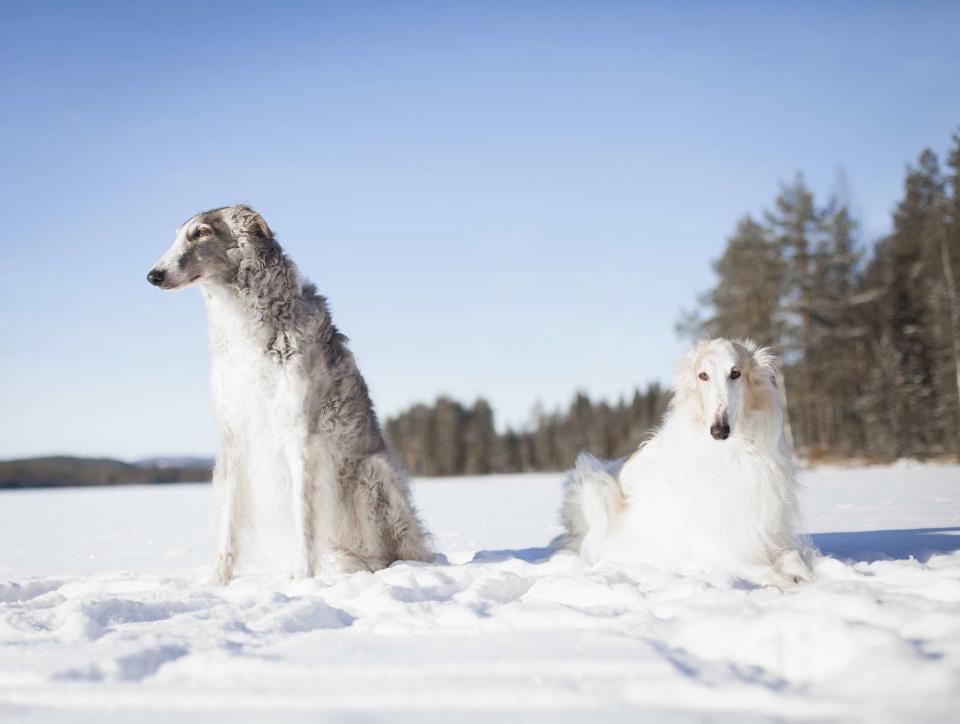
<point x="56" y="471"/>
<point x="868" y="336"/>
<point x="450" y="438"/>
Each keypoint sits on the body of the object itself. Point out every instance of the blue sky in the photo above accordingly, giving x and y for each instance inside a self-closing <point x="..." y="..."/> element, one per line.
<point x="512" y="199"/>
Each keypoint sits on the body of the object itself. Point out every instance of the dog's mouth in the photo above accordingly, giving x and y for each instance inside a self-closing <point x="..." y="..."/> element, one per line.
<point x="187" y="283"/>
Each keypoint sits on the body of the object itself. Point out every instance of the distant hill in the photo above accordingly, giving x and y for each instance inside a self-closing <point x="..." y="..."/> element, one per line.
<point x="57" y="471"/>
<point x="183" y="461"/>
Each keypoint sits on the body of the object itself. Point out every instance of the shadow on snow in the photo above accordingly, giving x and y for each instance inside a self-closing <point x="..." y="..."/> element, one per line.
<point x="878" y="545"/>
<point x="530" y="555"/>
<point x="860" y="546"/>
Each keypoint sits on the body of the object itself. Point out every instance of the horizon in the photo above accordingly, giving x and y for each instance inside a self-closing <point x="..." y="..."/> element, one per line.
<point x="508" y="202"/>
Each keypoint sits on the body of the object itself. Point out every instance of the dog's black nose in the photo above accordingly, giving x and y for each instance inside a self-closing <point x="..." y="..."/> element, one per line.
<point x="720" y="432"/>
<point x="155" y="277"/>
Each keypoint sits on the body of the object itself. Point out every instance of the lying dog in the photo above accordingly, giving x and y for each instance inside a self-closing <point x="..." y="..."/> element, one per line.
<point x="715" y="488"/>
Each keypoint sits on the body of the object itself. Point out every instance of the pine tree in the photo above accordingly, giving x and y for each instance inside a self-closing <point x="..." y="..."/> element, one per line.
<point x="750" y="278"/>
<point x="907" y="303"/>
<point x="447" y="437"/>
<point x="796" y="224"/>
<point x="835" y="352"/>
<point x="480" y="440"/>
<point x="948" y="239"/>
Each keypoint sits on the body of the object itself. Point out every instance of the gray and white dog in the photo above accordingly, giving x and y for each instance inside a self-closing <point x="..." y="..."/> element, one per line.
<point x="297" y="428"/>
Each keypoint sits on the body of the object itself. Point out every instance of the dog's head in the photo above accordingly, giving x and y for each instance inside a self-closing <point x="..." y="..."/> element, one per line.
<point x="722" y="380"/>
<point x="210" y="246"/>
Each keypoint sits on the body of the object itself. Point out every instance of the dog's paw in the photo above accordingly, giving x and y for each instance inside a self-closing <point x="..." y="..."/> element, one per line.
<point x="301" y="569"/>
<point x="223" y="571"/>
<point x="590" y="549"/>
<point x="793" y="567"/>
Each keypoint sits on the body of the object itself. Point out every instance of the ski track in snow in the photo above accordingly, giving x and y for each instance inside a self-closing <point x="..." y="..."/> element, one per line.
<point x="106" y="614"/>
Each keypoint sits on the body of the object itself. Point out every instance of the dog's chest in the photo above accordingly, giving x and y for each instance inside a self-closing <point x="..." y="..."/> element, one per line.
<point x="250" y="388"/>
<point x="708" y="504"/>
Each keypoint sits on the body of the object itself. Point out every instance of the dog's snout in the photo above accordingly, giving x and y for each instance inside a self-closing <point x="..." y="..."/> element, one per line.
<point x="155" y="277"/>
<point x="720" y="430"/>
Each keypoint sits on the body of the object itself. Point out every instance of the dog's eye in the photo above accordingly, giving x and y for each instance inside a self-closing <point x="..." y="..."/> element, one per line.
<point x="203" y="231"/>
<point x="704" y="376"/>
<point x="734" y="373"/>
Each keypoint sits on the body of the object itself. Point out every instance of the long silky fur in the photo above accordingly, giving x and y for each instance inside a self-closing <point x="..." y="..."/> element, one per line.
<point x="685" y="501"/>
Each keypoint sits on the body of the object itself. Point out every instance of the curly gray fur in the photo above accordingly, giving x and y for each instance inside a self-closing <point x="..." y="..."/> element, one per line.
<point x="351" y="492"/>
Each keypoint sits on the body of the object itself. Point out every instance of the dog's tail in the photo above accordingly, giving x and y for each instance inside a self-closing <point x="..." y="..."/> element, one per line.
<point x="592" y="501"/>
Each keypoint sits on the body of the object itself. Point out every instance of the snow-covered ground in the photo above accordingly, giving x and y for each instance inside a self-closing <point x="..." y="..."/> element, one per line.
<point x="106" y="615"/>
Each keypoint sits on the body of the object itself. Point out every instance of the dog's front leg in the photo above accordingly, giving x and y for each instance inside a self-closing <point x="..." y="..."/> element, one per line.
<point x="225" y="479"/>
<point x="303" y="524"/>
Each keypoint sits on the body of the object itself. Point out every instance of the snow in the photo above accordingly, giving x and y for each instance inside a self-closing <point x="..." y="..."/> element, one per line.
<point x="106" y="614"/>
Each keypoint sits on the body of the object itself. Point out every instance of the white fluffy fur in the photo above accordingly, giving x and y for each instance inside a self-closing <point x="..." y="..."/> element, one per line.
<point x="261" y="440"/>
<point x="686" y="501"/>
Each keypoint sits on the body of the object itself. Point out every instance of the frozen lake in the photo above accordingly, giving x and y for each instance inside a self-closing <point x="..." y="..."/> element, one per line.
<point x="106" y="615"/>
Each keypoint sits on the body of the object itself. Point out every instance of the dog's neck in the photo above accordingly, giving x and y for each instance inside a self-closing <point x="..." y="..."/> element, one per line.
<point x="259" y="304"/>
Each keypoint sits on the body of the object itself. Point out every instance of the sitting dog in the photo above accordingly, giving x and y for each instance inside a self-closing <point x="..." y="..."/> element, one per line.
<point x="715" y="488"/>
<point x="297" y="428"/>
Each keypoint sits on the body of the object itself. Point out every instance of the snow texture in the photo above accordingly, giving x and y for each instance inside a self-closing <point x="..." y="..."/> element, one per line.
<point x="106" y="614"/>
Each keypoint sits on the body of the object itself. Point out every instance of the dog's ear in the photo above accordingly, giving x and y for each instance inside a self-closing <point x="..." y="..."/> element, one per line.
<point x="247" y="224"/>
<point x="684" y="377"/>
<point x="763" y="361"/>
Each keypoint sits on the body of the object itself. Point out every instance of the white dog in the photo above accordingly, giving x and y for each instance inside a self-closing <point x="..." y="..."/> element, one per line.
<point x="715" y="488"/>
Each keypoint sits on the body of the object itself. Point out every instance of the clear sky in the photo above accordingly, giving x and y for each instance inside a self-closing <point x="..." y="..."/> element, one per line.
<point x="512" y="199"/>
